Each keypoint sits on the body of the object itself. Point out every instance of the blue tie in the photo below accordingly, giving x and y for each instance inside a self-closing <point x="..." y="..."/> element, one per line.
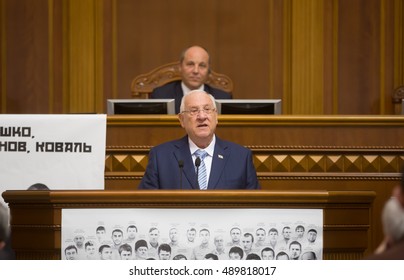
<point x="202" y="170"/>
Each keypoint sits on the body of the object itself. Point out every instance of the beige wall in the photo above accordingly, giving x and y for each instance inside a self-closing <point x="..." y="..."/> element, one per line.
<point x="319" y="56"/>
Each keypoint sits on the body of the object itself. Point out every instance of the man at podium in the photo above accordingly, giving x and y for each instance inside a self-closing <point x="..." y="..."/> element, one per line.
<point x="200" y="160"/>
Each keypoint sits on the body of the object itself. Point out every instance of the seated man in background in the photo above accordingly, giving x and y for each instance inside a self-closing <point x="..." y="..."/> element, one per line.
<point x="195" y="69"/>
<point x="199" y="160"/>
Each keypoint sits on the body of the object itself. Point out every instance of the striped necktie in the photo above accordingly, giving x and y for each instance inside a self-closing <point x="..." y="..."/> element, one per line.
<point x="203" y="184"/>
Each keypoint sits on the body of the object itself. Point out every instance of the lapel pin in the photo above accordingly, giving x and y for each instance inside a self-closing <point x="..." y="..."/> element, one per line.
<point x="220" y="156"/>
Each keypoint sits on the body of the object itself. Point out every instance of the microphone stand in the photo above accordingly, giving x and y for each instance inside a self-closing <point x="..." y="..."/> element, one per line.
<point x="197" y="164"/>
<point x="181" y="166"/>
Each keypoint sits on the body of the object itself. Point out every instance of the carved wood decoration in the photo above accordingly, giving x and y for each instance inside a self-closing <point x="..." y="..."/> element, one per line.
<point x="398" y="94"/>
<point x="397" y="99"/>
<point x="288" y="162"/>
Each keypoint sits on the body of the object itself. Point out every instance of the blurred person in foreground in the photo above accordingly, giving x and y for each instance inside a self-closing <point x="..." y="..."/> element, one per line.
<point x="392" y="247"/>
<point x="6" y="252"/>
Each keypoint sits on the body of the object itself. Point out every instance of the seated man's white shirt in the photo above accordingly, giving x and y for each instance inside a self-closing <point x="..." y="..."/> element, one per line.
<point x="186" y="89"/>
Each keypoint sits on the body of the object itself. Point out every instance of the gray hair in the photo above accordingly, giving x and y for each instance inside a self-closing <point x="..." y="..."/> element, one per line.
<point x="182" y="107"/>
<point x="393" y="219"/>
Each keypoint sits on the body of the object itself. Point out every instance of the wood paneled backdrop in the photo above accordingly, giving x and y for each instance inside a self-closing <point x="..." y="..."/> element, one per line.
<point x="319" y="56"/>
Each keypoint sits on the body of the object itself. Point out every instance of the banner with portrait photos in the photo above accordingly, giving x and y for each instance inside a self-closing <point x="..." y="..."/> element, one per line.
<point x="192" y="234"/>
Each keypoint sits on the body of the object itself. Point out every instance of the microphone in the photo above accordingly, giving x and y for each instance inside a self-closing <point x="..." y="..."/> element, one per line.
<point x="197" y="164"/>
<point x="181" y="166"/>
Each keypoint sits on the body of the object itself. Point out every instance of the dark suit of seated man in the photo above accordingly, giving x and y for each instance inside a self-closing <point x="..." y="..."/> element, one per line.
<point x="194" y="69"/>
<point x="173" y="165"/>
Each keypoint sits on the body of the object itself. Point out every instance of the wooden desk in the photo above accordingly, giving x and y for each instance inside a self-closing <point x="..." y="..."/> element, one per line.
<point x="36" y="215"/>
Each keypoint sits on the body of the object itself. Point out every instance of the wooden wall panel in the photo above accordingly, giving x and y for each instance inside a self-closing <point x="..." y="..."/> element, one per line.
<point x="242" y="46"/>
<point x="235" y="33"/>
<point x="56" y="57"/>
<point x="3" y="47"/>
<point x="108" y="45"/>
<point x="359" y="56"/>
<point x="398" y="43"/>
<point x="26" y="56"/>
<point x="330" y="74"/>
<point x="387" y="57"/>
<point x="321" y="57"/>
<point x="277" y="49"/>
<point x="81" y="53"/>
<point x="307" y="61"/>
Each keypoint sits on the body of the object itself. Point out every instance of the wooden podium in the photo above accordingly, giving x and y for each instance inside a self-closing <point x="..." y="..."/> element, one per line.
<point x="290" y="153"/>
<point x="36" y="215"/>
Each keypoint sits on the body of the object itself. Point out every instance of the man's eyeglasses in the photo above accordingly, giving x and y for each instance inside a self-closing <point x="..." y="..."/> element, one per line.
<point x="195" y="111"/>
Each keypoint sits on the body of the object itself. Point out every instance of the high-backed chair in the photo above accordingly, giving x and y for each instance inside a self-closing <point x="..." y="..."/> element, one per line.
<point x="143" y="85"/>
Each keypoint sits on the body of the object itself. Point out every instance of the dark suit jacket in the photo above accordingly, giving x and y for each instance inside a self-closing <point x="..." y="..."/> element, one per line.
<point x="173" y="90"/>
<point x="396" y="252"/>
<point x="7" y="253"/>
<point x="232" y="167"/>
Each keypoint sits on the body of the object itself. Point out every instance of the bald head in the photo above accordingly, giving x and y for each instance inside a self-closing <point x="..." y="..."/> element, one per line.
<point x="193" y="49"/>
<point x="194" y="67"/>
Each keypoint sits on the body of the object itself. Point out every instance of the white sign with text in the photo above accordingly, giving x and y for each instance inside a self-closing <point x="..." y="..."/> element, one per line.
<point x="60" y="151"/>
